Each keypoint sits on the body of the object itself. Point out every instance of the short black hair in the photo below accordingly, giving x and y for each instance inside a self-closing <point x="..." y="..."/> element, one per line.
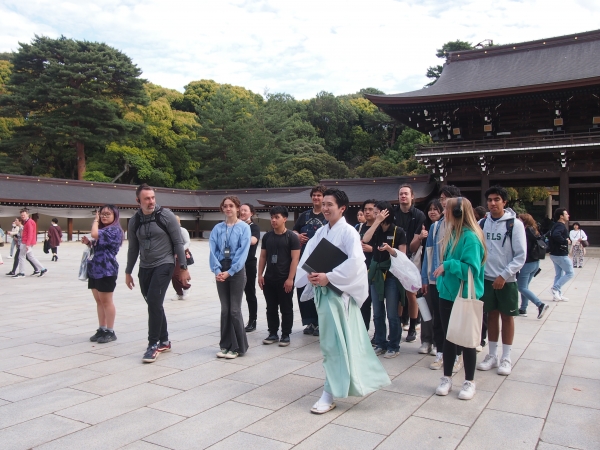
<point x="341" y="199"/>
<point x="498" y="190"/>
<point x="450" y="191"/>
<point x="368" y="202"/>
<point x="558" y="212"/>
<point x="481" y="211"/>
<point x="436" y="204"/>
<point x="576" y="223"/>
<point x="319" y="188"/>
<point x="142" y="187"/>
<point x="279" y="209"/>
<point x="55" y="220"/>
<point x="386" y="205"/>
<point x="250" y="207"/>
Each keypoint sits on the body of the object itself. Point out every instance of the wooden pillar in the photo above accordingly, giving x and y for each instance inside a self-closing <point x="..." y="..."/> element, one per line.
<point x="563" y="191"/>
<point x="197" y="230"/>
<point x="69" y="229"/>
<point x="485" y="185"/>
<point x="549" y="206"/>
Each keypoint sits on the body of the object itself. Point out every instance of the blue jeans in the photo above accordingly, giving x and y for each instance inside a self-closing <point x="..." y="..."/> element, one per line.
<point x="392" y="298"/>
<point x="525" y="276"/>
<point x="564" y="271"/>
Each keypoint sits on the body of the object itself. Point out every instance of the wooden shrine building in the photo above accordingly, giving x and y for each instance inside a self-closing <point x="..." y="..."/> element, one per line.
<point x="524" y="114"/>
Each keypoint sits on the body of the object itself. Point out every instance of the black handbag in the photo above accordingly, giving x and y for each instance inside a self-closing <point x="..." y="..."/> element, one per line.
<point x="189" y="259"/>
<point x="46" y="246"/>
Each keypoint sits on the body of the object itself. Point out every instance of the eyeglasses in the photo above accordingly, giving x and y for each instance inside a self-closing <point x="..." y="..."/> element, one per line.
<point x="106" y="214"/>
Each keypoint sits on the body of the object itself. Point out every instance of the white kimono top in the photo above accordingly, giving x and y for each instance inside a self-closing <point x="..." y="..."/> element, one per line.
<point x="351" y="276"/>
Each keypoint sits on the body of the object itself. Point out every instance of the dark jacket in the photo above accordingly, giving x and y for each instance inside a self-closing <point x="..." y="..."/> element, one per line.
<point x="559" y="246"/>
<point x="54" y="235"/>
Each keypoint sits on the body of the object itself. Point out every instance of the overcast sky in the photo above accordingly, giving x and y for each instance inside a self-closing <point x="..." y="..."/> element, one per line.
<point x="298" y="47"/>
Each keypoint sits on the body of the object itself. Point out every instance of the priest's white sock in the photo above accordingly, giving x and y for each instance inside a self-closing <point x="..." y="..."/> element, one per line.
<point x="326" y="398"/>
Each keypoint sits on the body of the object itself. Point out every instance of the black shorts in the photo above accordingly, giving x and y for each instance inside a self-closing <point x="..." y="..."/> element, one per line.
<point x="105" y="284"/>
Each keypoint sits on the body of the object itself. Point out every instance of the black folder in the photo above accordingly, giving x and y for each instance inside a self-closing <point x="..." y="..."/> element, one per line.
<point x="324" y="258"/>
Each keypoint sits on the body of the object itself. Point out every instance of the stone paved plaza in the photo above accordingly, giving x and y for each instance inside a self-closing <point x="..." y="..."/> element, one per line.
<point x="60" y="391"/>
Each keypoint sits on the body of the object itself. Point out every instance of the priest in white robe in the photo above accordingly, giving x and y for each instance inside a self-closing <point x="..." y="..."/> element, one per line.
<point x="351" y="366"/>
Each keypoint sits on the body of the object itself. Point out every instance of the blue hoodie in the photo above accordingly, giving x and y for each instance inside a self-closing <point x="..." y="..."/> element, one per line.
<point x="431" y="255"/>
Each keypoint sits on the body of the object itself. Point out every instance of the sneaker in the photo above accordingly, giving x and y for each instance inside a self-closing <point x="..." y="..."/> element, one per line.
<point x="231" y="355"/>
<point x="433" y="351"/>
<point x="316" y="332"/>
<point x="468" y="390"/>
<point x="271" y="339"/>
<point x="555" y="295"/>
<point x="523" y="313"/>
<point x="221" y="353"/>
<point x="186" y="293"/>
<point x="405" y="327"/>
<point x="42" y="273"/>
<point x="285" y="340"/>
<point x="438" y="363"/>
<point x="378" y="351"/>
<point x="310" y="329"/>
<point x="35" y="272"/>
<point x="542" y="310"/>
<point x="425" y="348"/>
<point x="19" y="275"/>
<point x="108" y="336"/>
<point x="505" y="367"/>
<point x="563" y="298"/>
<point x="479" y="348"/>
<point x="488" y="363"/>
<point x="151" y="354"/>
<point x="251" y="326"/>
<point x="164" y="347"/>
<point x="99" y="333"/>
<point x="391" y="354"/>
<point x="412" y="336"/>
<point x="445" y="386"/>
<point x="177" y="297"/>
<point x="458" y="364"/>
<point x="10" y="274"/>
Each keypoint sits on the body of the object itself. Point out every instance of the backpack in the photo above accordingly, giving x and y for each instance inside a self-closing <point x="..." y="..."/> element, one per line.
<point x="510" y="223"/>
<point x="539" y="249"/>
<point x="156" y="218"/>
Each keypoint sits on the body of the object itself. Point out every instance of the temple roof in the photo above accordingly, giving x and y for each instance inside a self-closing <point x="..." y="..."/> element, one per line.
<point x="546" y="64"/>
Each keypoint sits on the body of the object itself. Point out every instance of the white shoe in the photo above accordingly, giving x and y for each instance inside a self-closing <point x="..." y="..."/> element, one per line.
<point x="438" y="363"/>
<point x="405" y="327"/>
<point x="458" y="364"/>
<point x="177" y="297"/>
<point x="433" y="351"/>
<point x="505" y="367"/>
<point x="445" y="386"/>
<point x="563" y="298"/>
<point x="555" y="295"/>
<point x="488" y="363"/>
<point x="478" y="348"/>
<point x="186" y="293"/>
<point x="425" y="348"/>
<point x="221" y="353"/>
<point x="468" y="390"/>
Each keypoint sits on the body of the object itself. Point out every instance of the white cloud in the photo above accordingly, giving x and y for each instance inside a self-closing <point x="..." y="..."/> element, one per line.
<point x="296" y="47"/>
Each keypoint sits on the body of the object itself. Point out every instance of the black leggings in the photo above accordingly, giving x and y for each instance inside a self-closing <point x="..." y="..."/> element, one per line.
<point x="450" y="349"/>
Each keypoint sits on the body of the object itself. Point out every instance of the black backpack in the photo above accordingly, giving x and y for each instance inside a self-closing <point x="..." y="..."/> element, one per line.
<point x="137" y="218"/>
<point x="539" y="249"/>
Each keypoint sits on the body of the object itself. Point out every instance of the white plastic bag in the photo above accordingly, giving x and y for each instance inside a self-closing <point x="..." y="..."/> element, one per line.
<point x="83" y="275"/>
<point x="406" y="272"/>
<point x="466" y="318"/>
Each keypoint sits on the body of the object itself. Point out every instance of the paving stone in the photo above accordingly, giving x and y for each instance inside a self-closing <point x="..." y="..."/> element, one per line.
<point x="490" y="430"/>
<point x="580" y="431"/>
<point x="417" y="381"/>
<point x="16" y="362"/>
<point x="523" y="398"/>
<point x="34" y="432"/>
<point x="578" y="391"/>
<point x="190" y="378"/>
<point x="546" y="352"/>
<point x="104" y="385"/>
<point x="208" y="427"/>
<point x="267" y="371"/>
<point x="249" y="441"/>
<point x="546" y="446"/>
<point x="314" y="370"/>
<point x="141" y="445"/>
<point x="554" y="338"/>
<point x="44" y="368"/>
<point x="417" y="432"/>
<point x="337" y="437"/>
<point x="579" y="366"/>
<point x="189" y="359"/>
<point x="280" y="392"/>
<point x="450" y="409"/>
<point x="537" y="372"/>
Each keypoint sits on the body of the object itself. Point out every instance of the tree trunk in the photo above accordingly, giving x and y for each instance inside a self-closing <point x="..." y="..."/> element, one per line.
<point x="80" y="148"/>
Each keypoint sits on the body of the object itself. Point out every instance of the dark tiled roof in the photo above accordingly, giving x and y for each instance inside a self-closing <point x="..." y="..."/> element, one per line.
<point x="555" y="63"/>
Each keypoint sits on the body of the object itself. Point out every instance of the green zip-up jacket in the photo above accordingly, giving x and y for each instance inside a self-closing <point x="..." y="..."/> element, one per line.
<point x="468" y="253"/>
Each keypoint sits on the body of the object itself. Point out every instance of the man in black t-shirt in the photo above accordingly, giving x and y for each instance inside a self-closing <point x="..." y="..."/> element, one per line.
<point x="368" y="209"/>
<point x="305" y="228"/>
<point x="279" y="254"/>
<point x="246" y="213"/>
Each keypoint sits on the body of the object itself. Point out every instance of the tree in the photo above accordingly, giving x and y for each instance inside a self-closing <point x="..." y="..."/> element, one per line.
<point x="73" y="96"/>
<point x="434" y="72"/>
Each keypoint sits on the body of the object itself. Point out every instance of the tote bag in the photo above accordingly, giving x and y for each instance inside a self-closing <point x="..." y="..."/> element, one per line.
<point x="464" y="327"/>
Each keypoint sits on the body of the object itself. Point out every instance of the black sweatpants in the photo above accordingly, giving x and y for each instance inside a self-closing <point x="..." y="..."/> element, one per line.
<point x="450" y="349"/>
<point x="250" y="289"/>
<point x="154" y="283"/>
<point x="277" y="299"/>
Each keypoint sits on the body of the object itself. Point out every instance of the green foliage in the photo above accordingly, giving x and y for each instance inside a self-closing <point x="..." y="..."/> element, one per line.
<point x="434" y="72"/>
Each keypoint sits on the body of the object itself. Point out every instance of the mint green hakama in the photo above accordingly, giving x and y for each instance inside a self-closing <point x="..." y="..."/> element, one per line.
<point x="351" y="366"/>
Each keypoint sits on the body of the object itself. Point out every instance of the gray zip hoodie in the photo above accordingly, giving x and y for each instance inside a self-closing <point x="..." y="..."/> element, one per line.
<point x="505" y="257"/>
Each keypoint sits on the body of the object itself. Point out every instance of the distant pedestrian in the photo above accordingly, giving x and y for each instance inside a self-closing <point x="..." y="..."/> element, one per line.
<point x="13" y="240"/>
<point x="559" y="254"/>
<point x="246" y="214"/>
<point x="54" y="236"/>
<point x="103" y="269"/>
<point x="28" y="240"/>
<point x="17" y="238"/>
<point x="229" y="244"/>
<point x="577" y="236"/>
<point x="480" y="213"/>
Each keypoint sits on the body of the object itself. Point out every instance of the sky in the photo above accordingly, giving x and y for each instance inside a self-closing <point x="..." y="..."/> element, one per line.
<point x="297" y="47"/>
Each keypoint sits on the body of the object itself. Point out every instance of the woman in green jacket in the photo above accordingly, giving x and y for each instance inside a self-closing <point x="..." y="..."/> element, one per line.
<point x="464" y="249"/>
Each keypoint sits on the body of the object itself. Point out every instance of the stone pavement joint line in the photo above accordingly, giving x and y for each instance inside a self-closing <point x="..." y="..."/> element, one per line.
<point x="58" y="390"/>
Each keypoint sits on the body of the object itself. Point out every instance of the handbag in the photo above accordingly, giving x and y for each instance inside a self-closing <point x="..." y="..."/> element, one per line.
<point x="189" y="259"/>
<point x="46" y="246"/>
<point x="466" y="318"/>
<point x="83" y="267"/>
<point x="417" y="257"/>
<point x="585" y="243"/>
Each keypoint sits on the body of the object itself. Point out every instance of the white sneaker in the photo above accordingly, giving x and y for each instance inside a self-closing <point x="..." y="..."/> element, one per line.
<point x="433" y="351"/>
<point x="458" y="364"/>
<point x="445" y="386"/>
<point x="186" y="293"/>
<point x="478" y="348"/>
<point x="425" y="348"/>
<point x="405" y="327"/>
<point x="391" y="354"/>
<point x="468" y="390"/>
<point x="438" y="363"/>
<point x="488" y="363"/>
<point x="505" y="367"/>
<point x="562" y="297"/>
<point x="177" y="297"/>
<point x="555" y="295"/>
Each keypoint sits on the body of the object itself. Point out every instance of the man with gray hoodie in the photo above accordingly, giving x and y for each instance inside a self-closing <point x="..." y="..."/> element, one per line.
<point x="506" y="253"/>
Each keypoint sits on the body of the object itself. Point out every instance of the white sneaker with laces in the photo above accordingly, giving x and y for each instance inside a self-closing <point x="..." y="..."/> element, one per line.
<point x="433" y="351"/>
<point x="468" y="390"/>
<point x="505" y="367"/>
<point x="425" y="348"/>
<point x="458" y="364"/>
<point x="445" y="386"/>
<point x="555" y="295"/>
<point x="488" y="363"/>
<point x="438" y="363"/>
<point x="562" y="297"/>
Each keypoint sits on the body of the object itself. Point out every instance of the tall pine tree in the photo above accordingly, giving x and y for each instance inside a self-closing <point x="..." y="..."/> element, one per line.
<point x="73" y="96"/>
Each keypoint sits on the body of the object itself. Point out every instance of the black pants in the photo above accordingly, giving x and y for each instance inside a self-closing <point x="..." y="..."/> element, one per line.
<point x="250" y="289"/>
<point x="431" y="332"/>
<point x="308" y="310"/>
<point x="484" y="327"/>
<point x="277" y="299"/>
<point x="154" y="283"/>
<point x="16" y="261"/>
<point x="450" y="349"/>
<point x="365" y="310"/>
